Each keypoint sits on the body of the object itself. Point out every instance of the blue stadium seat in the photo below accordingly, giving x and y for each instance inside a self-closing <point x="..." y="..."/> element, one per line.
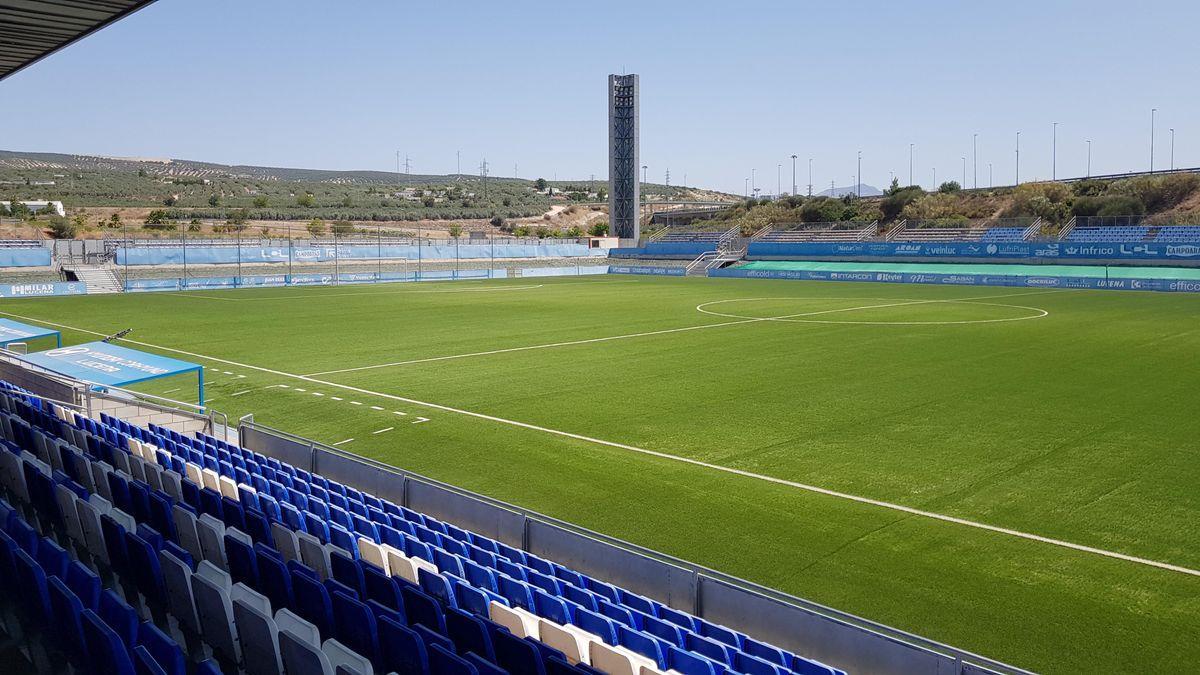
<point x="444" y="662"/>
<point x="354" y="626"/>
<point x="469" y="633"/>
<point x="313" y="602"/>
<point x="107" y="652"/>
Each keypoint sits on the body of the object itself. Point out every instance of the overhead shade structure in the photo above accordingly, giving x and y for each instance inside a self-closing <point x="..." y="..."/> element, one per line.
<point x="30" y="30"/>
<point x="15" y="331"/>
<point x="108" y="365"/>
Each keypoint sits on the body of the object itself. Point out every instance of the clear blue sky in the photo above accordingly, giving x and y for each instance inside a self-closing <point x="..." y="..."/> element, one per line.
<point x="726" y="87"/>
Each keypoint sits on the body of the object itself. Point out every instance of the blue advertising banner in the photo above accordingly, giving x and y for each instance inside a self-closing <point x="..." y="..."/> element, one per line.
<point x="230" y="255"/>
<point x="112" y="365"/>
<point x="25" y="257"/>
<point x="644" y="269"/>
<point x="1167" y="285"/>
<point x="15" y="331"/>
<point x="37" y="290"/>
<point x="1058" y="250"/>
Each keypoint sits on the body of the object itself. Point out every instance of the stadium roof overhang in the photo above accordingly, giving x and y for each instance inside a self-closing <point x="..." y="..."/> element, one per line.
<point x="31" y="30"/>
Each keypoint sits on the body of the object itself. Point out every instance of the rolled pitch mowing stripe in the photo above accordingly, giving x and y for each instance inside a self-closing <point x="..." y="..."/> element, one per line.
<point x="1087" y="271"/>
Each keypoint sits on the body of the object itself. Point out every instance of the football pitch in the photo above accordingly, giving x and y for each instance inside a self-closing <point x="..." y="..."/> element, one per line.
<point x="1011" y="471"/>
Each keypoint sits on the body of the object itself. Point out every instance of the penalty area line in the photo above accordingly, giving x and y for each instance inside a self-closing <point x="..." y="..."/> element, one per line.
<point x="675" y="458"/>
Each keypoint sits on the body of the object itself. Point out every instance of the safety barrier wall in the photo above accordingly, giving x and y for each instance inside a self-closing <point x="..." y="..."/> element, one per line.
<point x="760" y="250"/>
<point x="852" y="643"/>
<point x="25" y="257"/>
<point x="1168" y="285"/>
<point x="177" y="284"/>
<point x="646" y="269"/>
<point x="564" y="271"/>
<point x="33" y="290"/>
<point x="246" y="254"/>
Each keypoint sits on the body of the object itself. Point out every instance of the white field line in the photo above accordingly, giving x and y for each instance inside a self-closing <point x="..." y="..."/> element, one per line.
<point x="666" y="331"/>
<point x="344" y="441"/>
<point x="662" y="455"/>
<point x="381" y="431"/>
<point x="244" y="391"/>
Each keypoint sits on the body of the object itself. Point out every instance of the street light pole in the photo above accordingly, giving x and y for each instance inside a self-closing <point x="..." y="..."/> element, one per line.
<point x="793" y="175"/>
<point x="975" y="159"/>
<point x="1054" y="154"/>
<point x="964" y="183"/>
<point x="858" y="188"/>
<point x="810" y="176"/>
<point x="753" y="179"/>
<point x="1172" y="148"/>
<point x="990" y="175"/>
<point x="1152" y="111"/>
<point x="1089" y="164"/>
<point x="778" y="184"/>
<point x="1018" y="181"/>
<point x="910" y="162"/>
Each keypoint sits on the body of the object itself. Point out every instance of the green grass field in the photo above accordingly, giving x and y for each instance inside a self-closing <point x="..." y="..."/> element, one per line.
<point x="1069" y="415"/>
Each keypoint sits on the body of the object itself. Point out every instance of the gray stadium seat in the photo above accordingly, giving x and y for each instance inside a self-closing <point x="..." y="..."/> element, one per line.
<point x="286" y="542"/>
<point x="185" y="527"/>
<point x="153" y="476"/>
<point x="212" y="540"/>
<point x="172" y="485"/>
<point x="257" y="632"/>
<point x="345" y="660"/>
<point x="300" y="657"/>
<point x="70" y="512"/>
<point x="177" y="578"/>
<point x="313" y="554"/>
<point x="121" y="462"/>
<point x="137" y="467"/>
<point x="214" y="609"/>
<point x="100" y="471"/>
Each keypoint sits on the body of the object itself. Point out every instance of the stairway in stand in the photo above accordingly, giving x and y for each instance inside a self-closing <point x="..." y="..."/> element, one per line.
<point x="97" y="278"/>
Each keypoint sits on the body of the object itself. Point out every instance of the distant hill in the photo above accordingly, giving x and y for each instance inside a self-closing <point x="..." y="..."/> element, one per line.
<point x="186" y="168"/>
<point x="867" y="191"/>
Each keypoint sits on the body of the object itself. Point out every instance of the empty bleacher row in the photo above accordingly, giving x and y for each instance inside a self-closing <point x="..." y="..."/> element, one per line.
<point x="816" y="234"/>
<point x="145" y="551"/>
<point x="1178" y="234"/>
<point x="1108" y="234"/>
<point x="1003" y="235"/>
<point x="677" y="235"/>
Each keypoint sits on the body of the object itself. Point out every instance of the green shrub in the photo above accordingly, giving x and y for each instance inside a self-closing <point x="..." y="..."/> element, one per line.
<point x="823" y="210"/>
<point x="1108" y="205"/>
<point x="61" y="228"/>
<point x="599" y="229"/>
<point x="950" y="187"/>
